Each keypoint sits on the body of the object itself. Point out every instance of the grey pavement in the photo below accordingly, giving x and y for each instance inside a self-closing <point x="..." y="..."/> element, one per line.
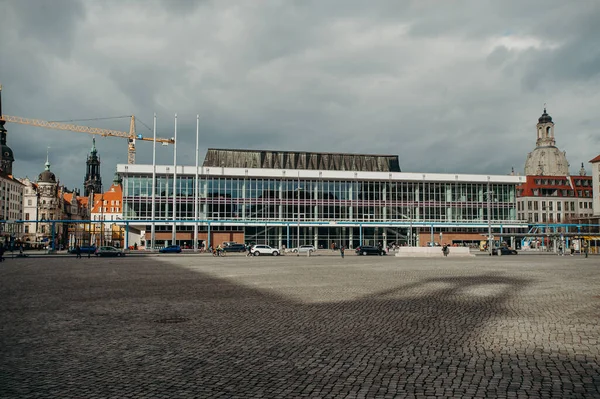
<point x="298" y="327"/>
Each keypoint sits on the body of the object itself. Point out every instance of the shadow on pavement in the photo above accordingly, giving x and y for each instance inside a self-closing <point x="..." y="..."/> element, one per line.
<point x="148" y="328"/>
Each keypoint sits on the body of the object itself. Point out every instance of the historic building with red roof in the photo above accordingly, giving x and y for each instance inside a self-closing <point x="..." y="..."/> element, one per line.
<point x="108" y="208"/>
<point x="550" y="194"/>
<point x="596" y="185"/>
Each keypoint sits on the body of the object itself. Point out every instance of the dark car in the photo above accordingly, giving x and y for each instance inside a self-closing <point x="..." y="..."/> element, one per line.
<point x="85" y="249"/>
<point x="369" y="250"/>
<point x="235" y="248"/>
<point x="171" y="249"/>
<point x="504" y="251"/>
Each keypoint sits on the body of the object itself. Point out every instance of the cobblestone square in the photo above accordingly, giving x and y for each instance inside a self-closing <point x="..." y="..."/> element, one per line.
<point x="298" y="327"/>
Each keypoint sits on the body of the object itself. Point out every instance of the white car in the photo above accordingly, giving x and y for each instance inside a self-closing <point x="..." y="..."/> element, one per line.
<point x="304" y="248"/>
<point x="264" y="250"/>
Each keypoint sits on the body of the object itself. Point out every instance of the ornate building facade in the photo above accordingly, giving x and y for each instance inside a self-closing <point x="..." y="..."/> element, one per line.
<point x="45" y="201"/>
<point x="11" y="190"/>
<point x="550" y="194"/>
<point x="108" y="208"/>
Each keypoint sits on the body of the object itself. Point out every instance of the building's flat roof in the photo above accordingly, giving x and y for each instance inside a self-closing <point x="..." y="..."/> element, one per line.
<point x="318" y="174"/>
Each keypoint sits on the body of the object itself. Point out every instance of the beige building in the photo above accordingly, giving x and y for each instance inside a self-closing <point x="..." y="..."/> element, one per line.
<point x="45" y="201"/>
<point x="596" y="185"/>
<point x="550" y="195"/>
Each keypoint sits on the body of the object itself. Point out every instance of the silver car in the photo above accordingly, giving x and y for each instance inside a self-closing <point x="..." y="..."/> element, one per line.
<point x="109" y="251"/>
<point x="264" y="250"/>
<point x="304" y="248"/>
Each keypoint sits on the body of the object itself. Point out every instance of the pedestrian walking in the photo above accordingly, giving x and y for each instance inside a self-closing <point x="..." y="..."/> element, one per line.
<point x="77" y="251"/>
<point x="342" y="251"/>
<point x="585" y="249"/>
<point x="560" y="250"/>
<point x="2" y="249"/>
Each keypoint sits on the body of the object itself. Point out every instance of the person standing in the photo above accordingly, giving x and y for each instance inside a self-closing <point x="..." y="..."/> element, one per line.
<point x="77" y="251"/>
<point x="342" y="251"/>
<point x="586" y="249"/>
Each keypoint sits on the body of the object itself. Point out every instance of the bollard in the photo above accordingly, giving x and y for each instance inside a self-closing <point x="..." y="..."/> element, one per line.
<point x="308" y="253"/>
<point x="499" y="252"/>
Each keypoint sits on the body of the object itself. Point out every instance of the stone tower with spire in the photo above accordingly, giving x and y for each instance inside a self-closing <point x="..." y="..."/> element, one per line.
<point x="546" y="159"/>
<point x="93" y="181"/>
<point x="6" y="154"/>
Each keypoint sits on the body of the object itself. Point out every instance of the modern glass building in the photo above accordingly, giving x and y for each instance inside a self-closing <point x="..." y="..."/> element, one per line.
<point x="286" y="199"/>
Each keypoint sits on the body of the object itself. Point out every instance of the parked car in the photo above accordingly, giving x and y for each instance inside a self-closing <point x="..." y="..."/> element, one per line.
<point x="304" y="248"/>
<point x="170" y="249"/>
<point x="85" y="249"/>
<point x="369" y="250"/>
<point x="228" y="243"/>
<point x="504" y="251"/>
<point x="109" y="251"/>
<point x="264" y="250"/>
<point x="235" y="248"/>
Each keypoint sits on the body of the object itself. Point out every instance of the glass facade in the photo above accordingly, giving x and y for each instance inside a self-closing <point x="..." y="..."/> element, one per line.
<point x="287" y="200"/>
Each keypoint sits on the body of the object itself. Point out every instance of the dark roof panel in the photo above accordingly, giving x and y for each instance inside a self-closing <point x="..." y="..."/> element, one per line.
<point x="268" y="159"/>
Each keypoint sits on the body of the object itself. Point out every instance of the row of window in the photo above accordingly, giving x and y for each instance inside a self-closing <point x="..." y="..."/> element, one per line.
<point x="226" y="209"/>
<point x="141" y="186"/>
<point x="551" y="218"/>
<point x="554" y="192"/>
<point x="563" y="182"/>
<point x="551" y="205"/>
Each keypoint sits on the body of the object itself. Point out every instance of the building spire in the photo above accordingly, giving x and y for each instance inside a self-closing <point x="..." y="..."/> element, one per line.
<point x="582" y="170"/>
<point x="93" y="150"/>
<point x="47" y="164"/>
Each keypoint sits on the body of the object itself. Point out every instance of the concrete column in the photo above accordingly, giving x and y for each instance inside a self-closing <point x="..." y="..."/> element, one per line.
<point x="350" y="198"/>
<point x="279" y="236"/>
<point x="205" y="193"/>
<point x="316" y="207"/>
<point x="383" y="195"/>
<point x="244" y="199"/>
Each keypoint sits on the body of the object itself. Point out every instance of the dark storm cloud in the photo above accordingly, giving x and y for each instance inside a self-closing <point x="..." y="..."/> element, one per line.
<point x="452" y="87"/>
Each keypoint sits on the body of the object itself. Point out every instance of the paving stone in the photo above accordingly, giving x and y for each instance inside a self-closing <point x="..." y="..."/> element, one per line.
<point x="293" y="327"/>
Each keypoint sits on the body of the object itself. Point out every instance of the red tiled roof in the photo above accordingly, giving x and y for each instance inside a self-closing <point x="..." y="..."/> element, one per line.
<point x="115" y="193"/>
<point x="560" y="183"/>
<point x="597" y="159"/>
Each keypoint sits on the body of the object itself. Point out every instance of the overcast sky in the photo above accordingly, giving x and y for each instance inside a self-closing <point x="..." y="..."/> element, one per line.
<point x="449" y="86"/>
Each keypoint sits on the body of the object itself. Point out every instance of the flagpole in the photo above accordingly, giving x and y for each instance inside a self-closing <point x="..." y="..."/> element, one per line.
<point x="196" y="186"/>
<point x="174" y="237"/>
<point x="153" y="228"/>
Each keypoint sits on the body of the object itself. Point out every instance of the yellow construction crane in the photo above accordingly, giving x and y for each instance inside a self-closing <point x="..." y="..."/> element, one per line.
<point x="131" y="136"/>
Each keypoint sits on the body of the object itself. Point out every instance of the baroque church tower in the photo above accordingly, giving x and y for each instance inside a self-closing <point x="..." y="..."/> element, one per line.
<point x="93" y="181"/>
<point x="546" y="159"/>
<point x="6" y="154"/>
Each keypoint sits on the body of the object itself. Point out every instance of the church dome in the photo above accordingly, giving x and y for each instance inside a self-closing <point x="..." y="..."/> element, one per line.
<point x="545" y="118"/>
<point x="7" y="153"/>
<point x="46" y="176"/>
<point x="546" y="161"/>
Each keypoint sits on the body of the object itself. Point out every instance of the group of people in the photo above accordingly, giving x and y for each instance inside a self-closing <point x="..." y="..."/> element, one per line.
<point x="585" y="249"/>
